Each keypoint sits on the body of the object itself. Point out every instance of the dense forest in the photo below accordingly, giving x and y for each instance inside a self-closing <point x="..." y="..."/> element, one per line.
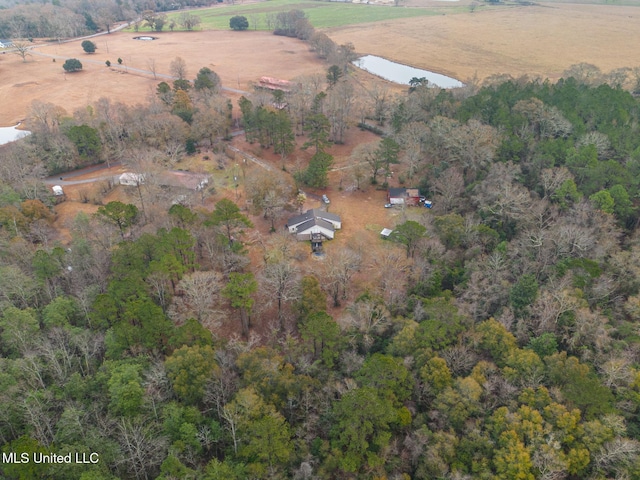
<point x="71" y="18"/>
<point x="495" y="337"/>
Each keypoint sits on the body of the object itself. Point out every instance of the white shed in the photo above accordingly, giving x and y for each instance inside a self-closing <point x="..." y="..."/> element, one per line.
<point x="131" y="179"/>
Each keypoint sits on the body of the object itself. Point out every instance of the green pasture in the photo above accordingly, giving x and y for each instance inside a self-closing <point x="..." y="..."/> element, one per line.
<point x="320" y="14"/>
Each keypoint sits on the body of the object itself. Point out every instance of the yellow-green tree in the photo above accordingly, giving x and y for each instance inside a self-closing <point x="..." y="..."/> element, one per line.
<point x="264" y="370"/>
<point x="496" y="339"/>
<point x="512" y="461"/>
<point x="189" y="369"/>
<point x="436" y="375"/>
<point x="263" y="435"/>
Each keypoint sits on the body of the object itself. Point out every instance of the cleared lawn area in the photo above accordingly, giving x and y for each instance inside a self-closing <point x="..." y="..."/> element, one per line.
<point x="320" y="14"/>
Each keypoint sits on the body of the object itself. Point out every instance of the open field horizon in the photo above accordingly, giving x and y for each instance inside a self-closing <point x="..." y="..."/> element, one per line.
<point x="542" y="40"/>
<point x="320" y="14"/>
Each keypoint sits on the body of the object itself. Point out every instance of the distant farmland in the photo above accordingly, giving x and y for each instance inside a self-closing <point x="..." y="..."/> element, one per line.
<point x="320" y="14"/>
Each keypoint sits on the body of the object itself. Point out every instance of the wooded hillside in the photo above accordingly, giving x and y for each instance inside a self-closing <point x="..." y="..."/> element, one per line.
<point x="496" y="338"/>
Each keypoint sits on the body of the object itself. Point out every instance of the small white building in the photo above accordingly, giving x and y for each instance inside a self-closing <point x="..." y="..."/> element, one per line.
<point x="314" y="221"/>
<point x="131" y="179"/>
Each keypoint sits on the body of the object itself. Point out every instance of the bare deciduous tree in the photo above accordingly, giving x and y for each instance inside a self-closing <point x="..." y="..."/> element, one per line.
<point x="589" y="330"/>
<point x="151" y="65"/>
<point x="157" y="385"/>
<point x="379" y="102"/>
<point x="368" y="317"/>
<point x="616" y="454"/>
<point x="231" y="415"/>
<point x="413" y="138"/>
<point x="198" y="294"/>
<point x="460" y="359"/>
<point x="599" y="140"/>
<point x="339" y="267"/>
<point x="617" y="372"/>
<point x="584" y="73"/>
<point x="449" y="187"/>
<point x="160" y="285"/>
<point x="300" y="99"/>
<point x="269" y="193"/>
<point x="544" y="121"/>
<point x="500" y="194"/>
<point x="552" y="178"/>
<point x="143" y="447"/>
<point x="281" y="281"/>
<point x="365" y="154"/>
<point x="393" y="268"/>
<point x="178" y="68"/>
<point x="548" y="461"/>
<point x="111" y="121"/>
<point x="219" y="255"/>
<point x="22" y="49"/>
<point x="39" y="415"/>
<point x="338" y="107"/>
<point x="44" y="118"/>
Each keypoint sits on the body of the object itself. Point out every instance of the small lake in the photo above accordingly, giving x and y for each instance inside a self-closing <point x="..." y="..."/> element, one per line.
<point x="10" y="134"/>
<point x="398" y="73"/>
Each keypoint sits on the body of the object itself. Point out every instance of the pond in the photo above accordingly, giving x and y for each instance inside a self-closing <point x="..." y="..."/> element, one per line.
<point x="10" y="134"/>
<point x="398" y="73"/>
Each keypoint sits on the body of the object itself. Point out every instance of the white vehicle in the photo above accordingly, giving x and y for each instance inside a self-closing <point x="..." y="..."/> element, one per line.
<point x="205" y="181"/>
<point x="57" y="190"/>
<point x="325" y="200"/>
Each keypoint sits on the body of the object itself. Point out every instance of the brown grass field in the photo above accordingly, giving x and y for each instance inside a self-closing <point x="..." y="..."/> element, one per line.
<point x="238" y="57"/>
<point x="541" y="40"/>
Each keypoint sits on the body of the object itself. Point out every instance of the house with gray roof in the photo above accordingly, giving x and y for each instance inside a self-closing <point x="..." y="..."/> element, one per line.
<point x="314" y="221"/>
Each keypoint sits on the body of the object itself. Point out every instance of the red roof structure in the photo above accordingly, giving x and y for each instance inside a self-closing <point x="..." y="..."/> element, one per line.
<point x="271" y="83"/>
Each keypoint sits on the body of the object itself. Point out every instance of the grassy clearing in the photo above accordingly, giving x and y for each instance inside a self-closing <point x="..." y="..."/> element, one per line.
<point x="320" y="14"/>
